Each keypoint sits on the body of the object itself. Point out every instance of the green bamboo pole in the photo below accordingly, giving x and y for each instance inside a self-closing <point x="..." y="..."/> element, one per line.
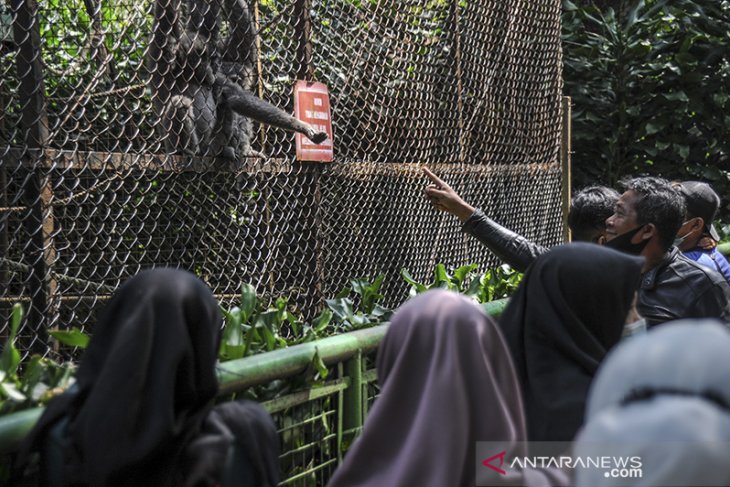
<point x="352" y="415"/>
<point x="237" y="375"/>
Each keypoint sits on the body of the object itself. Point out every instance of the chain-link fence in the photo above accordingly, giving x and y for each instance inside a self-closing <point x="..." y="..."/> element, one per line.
<point x="121" y="147"/>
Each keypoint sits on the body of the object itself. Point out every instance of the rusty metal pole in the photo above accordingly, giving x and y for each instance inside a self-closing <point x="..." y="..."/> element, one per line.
<point x="565" y="163"/>
<point x="302" y="12"/>
<point x="303" y="27"/>
<point x="37" y="190"/>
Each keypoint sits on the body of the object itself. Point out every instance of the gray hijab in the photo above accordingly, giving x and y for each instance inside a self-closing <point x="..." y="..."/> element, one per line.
<point x="446" y="382"/>
<point x="663" y="398"/>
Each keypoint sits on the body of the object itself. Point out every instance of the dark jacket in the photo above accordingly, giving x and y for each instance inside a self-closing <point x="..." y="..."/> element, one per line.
<point x="682" y="288"/>
<point x="676" y="288"/>
<point x="510" y="247"/>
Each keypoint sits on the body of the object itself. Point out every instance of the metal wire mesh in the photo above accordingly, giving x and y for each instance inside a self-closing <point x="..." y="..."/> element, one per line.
<point x="309" y="437"/>
<point x="98" y="182"/>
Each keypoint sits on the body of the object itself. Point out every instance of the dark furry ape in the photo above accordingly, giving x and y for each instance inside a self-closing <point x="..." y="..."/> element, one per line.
<point x="201" y="84"/>
<point x="182" y="64"/>
<point x="237" y="103"/>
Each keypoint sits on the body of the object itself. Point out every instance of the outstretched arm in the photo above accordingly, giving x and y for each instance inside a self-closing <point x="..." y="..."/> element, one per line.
<point x="510" y="247"/>
<point x="249" y="105"/>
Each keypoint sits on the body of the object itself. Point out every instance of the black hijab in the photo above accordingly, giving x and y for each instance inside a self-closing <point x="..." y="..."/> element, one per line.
<point x="144" y="385"/>
<point x="567" y="313"/>
<point x="238" y="446"/>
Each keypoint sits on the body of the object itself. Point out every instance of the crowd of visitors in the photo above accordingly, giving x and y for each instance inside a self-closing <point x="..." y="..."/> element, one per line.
<point x="617" y="339"/>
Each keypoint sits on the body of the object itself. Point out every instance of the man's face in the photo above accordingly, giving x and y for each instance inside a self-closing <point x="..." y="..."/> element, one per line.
<point x="691" y="232"/>
<point x="624" y="216"/>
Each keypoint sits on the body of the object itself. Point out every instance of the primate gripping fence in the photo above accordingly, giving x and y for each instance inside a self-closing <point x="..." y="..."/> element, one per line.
<point x="111" y="161"/>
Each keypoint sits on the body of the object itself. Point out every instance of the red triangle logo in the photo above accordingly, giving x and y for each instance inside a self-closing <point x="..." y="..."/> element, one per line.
<point x="488" y="462"/>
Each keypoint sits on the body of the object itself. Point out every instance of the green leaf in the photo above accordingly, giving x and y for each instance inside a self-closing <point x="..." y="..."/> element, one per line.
<point x="359" y="286"/>
<point x="9" y="391"/>
<point x="676" y="96"/>
<point x="271" y="319"/>
<point x="10" y="357"/>
<point x="233" y="344"/>
<point x="34" y="371"/>
<point x="569" y="6"/>
<point x="281" y="303"/>
<point x="462" y="272"/>
<point x="475" y="287"/>
<point x="381" y="313"/>
<point x="232" y="328"/>
<point x="318" y="365"/>
<point x="344" y="293"/>
<point x="420" y="288"/>
<point x="269" y="338"/>
<point x="248" y="301"/>
<point x="358" y="320"/>
<point x="683" y="151"/>
<point x="368" y="292"/>
<point x="71" y="338"/>
<point x="441" y="278"/>
<point x="652" y="128"/>
<point x="341" y="307"/>
<point x="322" y="321"/>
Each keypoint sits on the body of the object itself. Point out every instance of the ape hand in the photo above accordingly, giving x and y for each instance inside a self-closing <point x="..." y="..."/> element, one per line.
<point x="316" y="136"/>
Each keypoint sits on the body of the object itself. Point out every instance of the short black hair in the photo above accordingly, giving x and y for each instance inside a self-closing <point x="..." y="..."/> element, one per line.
<point x="589" y="210"/>
<point x="659" y="203"/>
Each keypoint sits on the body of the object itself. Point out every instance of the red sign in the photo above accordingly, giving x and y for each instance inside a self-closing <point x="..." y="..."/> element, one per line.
<point x="312" y="105"/>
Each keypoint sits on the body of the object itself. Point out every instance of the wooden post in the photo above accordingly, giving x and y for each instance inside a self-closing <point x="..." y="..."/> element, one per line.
<point x="303" y="28"/>
<point x="302" y="14"/>
<point x="565" y="163"/>
<point x="37" y="192"/>
<point x="259" y="70"/>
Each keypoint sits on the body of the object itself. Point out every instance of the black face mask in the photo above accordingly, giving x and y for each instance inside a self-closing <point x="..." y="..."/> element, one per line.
<point x="623" y="243"/>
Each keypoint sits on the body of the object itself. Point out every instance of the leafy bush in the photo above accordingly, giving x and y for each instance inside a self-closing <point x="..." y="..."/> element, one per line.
<point x="496" y="283"/>
<point x="252" y="327"/>
<point x="651" y="90"/>
<point x="41" y="379"/>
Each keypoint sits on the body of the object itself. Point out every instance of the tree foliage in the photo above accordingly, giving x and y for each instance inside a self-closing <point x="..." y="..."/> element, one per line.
<point x="650" y="89"/>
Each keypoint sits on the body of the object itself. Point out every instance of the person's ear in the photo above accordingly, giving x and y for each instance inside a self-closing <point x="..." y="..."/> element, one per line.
<point x="697" y="224"/>
<point x="647" y="233"/>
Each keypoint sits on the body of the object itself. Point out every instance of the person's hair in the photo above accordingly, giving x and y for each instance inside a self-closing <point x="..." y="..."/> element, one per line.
<point x="659" y="203"/>
<point x="589" y="210"/>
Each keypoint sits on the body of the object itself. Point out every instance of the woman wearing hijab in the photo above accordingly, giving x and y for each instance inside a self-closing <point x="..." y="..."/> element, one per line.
<point x="143" y="391"/>
<point x="446" y="382"/>
<point x="662" y="399"/>
<point x="569" y="310"/>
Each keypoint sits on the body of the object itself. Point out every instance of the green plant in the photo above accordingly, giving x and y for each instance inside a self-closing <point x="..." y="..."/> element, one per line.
<point x="650" y="90"/>
<point x="40" y="380"/>
<point x="346" y="312"/>
<point x="251" y="327"/>
<point x="496" y="283"/>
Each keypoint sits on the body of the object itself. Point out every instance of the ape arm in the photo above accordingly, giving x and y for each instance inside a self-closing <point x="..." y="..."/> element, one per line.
<point x="247" y="104"/>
